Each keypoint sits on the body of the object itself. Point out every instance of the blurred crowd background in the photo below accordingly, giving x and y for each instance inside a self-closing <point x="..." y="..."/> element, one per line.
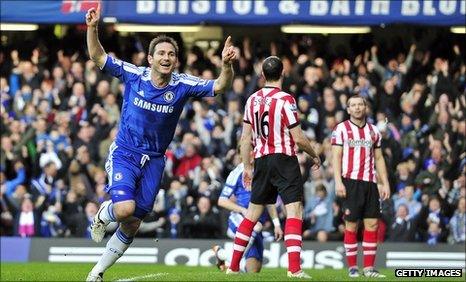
<point x="60" y="113"/>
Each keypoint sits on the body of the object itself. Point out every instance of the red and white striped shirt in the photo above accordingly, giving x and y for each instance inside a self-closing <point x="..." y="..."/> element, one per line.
<point x="359" y="143"/>
<point x="272" y="113"/>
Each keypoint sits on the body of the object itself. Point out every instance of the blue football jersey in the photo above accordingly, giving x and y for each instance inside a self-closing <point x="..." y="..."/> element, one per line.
<point x="234" y="186"/>
<point x="149" y="114"/>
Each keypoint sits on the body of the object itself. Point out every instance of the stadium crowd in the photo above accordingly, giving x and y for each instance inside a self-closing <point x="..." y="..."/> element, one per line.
<point x="60" y="113"/>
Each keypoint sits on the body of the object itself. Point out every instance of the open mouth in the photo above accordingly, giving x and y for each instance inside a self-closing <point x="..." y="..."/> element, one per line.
<point x="165" y="65"/>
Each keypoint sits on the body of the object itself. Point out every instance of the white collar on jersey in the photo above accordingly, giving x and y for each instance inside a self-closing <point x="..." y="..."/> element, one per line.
<point x="148" y="77"/>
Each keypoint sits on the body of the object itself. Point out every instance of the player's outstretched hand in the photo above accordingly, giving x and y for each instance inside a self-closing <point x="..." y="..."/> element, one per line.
<point x="247" y="178"/>
<point x="278" y="233"/>
<point x="229" y="52"/>
<point x="316" y="163"/>
<point x="340" y="190"/>
<point x="384" y="191"/>
<point x="93" y="16"/>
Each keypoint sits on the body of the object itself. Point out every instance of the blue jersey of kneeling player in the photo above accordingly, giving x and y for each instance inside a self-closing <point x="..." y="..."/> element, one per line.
<point x="150" y="114"/>
<point x="234" y="186"/>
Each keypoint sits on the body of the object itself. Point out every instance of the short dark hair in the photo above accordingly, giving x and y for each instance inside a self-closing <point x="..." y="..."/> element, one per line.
<point x="355" y="96"/>
<point x="272" y="68"/>
<point x="160" y="39"/>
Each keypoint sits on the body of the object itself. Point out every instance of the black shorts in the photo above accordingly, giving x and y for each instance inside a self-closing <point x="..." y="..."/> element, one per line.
<point x="362" y="200"/>
<point x="276" y="174"/>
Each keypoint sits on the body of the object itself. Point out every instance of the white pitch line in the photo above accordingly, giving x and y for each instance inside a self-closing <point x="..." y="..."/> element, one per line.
<point x="136" y="278"/>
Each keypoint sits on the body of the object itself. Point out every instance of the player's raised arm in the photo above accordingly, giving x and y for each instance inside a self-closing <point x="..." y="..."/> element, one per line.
<point x="225" y="79"/>
<point x="96" y="51"/>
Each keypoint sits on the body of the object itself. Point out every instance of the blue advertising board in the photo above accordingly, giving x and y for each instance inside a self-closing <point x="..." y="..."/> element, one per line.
<point x="249" y="12"/>
<point x="14" y="249"/>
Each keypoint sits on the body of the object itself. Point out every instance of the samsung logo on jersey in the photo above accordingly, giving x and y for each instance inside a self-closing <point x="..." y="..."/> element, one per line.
<point x="152" y="106"/>
<point x="359" y="143"/>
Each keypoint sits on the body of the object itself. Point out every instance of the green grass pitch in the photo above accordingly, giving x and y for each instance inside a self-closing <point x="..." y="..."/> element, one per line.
<point x="39" y="271"/>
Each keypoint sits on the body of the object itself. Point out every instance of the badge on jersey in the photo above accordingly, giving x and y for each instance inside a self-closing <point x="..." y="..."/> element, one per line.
<point x="118" y="176"/>
<point x="168" y="96"/>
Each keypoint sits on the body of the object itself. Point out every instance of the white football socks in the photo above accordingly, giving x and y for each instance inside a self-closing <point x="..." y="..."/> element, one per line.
<point x="114" y="249"/>
<point x="107" y="215"/>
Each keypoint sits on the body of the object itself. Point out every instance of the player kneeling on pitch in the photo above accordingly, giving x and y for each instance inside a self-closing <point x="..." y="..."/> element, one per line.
<point x="255" y="249"/>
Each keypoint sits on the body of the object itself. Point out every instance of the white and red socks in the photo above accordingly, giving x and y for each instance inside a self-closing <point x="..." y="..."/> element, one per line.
<point x="369" y="246"/>
<point x="293" y="243"/>
<point x="243" y="233"/>
<point x="350" y="242"/>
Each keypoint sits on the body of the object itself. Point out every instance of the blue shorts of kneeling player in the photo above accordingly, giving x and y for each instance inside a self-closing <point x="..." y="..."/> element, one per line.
<point x="257" y="249"/>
